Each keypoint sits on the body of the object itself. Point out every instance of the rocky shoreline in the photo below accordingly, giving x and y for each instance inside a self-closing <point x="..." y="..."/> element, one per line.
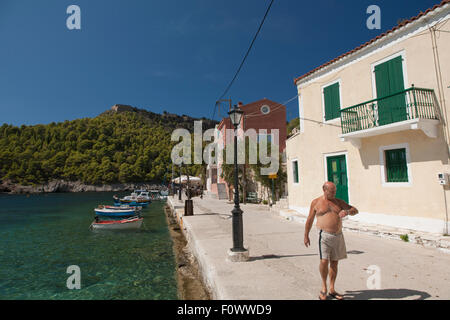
<point x="189" y="280"/>
<point x="73" y="186"/>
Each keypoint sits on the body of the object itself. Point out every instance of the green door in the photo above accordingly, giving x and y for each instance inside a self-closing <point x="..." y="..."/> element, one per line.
<point x="337" y="173"/>
<point x="389" y="80"/>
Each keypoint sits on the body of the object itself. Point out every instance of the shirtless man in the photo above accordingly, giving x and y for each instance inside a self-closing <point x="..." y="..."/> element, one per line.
<point x="329" y="211"/>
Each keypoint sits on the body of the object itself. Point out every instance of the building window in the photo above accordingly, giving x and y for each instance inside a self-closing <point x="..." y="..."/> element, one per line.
<point x="396" y="165"/>
<point x="332" y="101"/>
<point x="265" y="109"/>
<point x="295" y="170"/>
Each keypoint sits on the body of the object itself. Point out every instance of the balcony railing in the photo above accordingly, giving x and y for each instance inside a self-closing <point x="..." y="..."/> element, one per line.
<point x="412" y="103"/>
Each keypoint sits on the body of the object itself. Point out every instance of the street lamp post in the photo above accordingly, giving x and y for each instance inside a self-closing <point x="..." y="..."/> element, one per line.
<point x="179" y="186"/>
<point x="173" y="183"/>
<point x="238" y="252"/>
<point x="188" y="203"/>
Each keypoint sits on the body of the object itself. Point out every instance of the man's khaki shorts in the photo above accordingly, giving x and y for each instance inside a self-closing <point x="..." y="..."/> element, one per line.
<point x="332" y="246"/>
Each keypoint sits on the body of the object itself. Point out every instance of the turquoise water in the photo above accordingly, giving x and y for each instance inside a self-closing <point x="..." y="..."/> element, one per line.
<point x="42" y="235"/>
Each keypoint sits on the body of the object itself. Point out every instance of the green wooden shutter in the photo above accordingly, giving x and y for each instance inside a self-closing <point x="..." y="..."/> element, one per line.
<point x="383" y="90"/>
<point x="382" y="80"/>
<point x="396" y="166"/>
<point x="396" y="83"/>
<point x="336" y="101"/>
<point x="332" y="101"/>
<point x="389" y="81"/>
<point x="327" y="96"/>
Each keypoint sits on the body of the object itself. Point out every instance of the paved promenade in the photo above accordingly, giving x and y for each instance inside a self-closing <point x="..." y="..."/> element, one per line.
<point x="281" y="267"/>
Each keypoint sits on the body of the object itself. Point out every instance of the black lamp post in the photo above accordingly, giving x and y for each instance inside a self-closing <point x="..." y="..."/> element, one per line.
<point x="179" y="186"/>
<point x="188" y="203"/>
<point x="173" y="182"/>
<point x="238" y="231"/>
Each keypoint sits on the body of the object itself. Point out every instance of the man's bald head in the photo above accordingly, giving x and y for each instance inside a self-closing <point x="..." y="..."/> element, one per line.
<point x="328" y="185"/>
<point x="329" y="190"/>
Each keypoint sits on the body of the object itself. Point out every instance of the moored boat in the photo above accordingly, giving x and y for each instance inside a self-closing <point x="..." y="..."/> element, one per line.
<point x="124" y="224"/>
<point x="121" y="202"/>
<point x="121" y="207"/>
<point x="138" y="197"/>
<point x="116" y="212"/>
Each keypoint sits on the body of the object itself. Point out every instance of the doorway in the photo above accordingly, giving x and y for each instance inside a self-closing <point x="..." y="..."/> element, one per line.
<point x="337" y="173"/>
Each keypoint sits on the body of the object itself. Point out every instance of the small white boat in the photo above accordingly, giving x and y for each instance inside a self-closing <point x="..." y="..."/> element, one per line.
<point x="138" y="196"/>
<point x="125" y="224"/>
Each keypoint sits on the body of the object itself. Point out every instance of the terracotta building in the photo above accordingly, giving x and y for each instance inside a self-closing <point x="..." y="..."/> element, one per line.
<point x="263" y="116"/>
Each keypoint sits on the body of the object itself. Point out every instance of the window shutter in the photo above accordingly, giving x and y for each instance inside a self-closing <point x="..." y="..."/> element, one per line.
<point x="395" y="75"/>
<point x="326" y="99"/>
<point x="332" y="101"/>
<point x="396" y="166"/>
<point x="336" y="101"/>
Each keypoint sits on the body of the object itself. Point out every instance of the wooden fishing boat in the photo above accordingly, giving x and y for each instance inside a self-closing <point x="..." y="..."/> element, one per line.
<point x="124" y="224"/>
<point x="121" y="207"/>
<point x="116" y="212"/>
<point x="137" y="196"/>
<point x="132" y="200"/>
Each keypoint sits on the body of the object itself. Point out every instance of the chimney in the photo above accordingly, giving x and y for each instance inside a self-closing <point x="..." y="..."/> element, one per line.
<point x="240" y="104"/>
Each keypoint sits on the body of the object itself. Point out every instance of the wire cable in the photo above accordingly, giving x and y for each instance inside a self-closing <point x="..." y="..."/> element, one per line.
<point x="278" y="106"/>
<point x="274" y="108"/>
<point x="245" y="57"/>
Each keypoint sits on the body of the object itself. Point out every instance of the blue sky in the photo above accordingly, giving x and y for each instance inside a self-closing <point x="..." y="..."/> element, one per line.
<point x="177" y="56"/>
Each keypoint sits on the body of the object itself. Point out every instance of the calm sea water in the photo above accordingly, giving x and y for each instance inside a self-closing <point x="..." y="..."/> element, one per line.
<point x="42" y="235"/>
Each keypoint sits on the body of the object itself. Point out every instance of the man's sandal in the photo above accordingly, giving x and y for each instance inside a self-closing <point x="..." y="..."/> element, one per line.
<point x="323" y="295"/>
<point x="336" y="295"/>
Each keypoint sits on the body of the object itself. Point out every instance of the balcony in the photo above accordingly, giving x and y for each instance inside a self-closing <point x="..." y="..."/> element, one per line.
<point x="410" y="109"/>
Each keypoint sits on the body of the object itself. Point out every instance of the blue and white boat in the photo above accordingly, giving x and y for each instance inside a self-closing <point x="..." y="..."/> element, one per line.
<point x="137" y="198"/>
<point x="121" y="207"/>
<point x="133" y="203"/>
<point x="116" y="212"/>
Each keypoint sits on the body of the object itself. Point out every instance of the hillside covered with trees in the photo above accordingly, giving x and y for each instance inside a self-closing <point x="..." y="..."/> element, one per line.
<point x="115" y="147"/>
